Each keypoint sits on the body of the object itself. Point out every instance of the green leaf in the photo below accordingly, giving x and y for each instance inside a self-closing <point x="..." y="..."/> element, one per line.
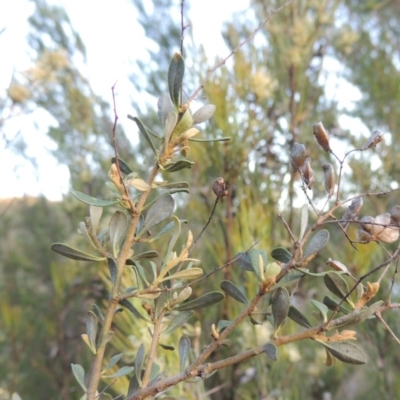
<point x="166" y="346"/>
<point x="163" y="231"/>
<point x="217" y="139"/>
<point x="176" y="71"/>
<point x="75" y="254"/>
<point x="139" y="362"/>
<point x="112" y="361"/>
<point x="161" y="302"/>
<point x="84" y="198"/>
<point x="178" y="321"/>
<point x="133" y="386"/>
<point x="322" y="308"/>
<point x="192" y="273"/>
<point x="117" y="229"/>
<point x="121" y="372"/>
<point x="271" y="351"/>
<point x="206" y="300"/>
<point x="159" y="211"/>
<point x="282" y="255"/>
<point x="112" y="266"/>
<point x="203" y="114"/>
<point x="95" y="216"/>
<point x="183" y="349"/>
<point x="91" y="330"/>
<point x="178" y="165"/>
<point x="123" y="166"/>
<point x="346" y="352"/>
<point x="143" y="130"/>
<point x="155" y="371"/>
<point x="303" y="220"/>
<point x="142" y="256"/>
<point x="317" y="243"/>
<point x="244" y="261"/>
<point x="171" y="185"/>
<point x="230" y="289"/>
<point x="332" y="304"/>
<point x="79" y="374"/>
<point x="175" y="236"/>
<point x="280" y="307"/>
<point x="337" y="285"/>
<point x="127" y="304"/>
<point x="295" y="315"/>
<point x="139" y="184"/>
<point x="97" y="309"/>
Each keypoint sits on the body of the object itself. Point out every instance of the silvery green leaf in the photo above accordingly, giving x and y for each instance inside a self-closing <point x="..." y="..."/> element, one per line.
<point x="116" y="231"/>
<point x="112" y="266"/>
<point x="244" y="261"/>
<point x="203" y="114"/>
<point x="91" y="329"/>
<point x="346" y="352"/>
<point x="183" y="348"/>
<point x="192" y="273"/>
<point x="127" y="304"/>
<point x="143" y="130"/>
<point x="232" y="290"/>
<point x="178" y="321"/>
<point x="271" y="351"/>
<point x="170" y="123"/>
<point x="282" y="255"/>
<point x="84" y="198"/>
<point x="113" y="361"/>
<point x="84" y="232"/>
<point x="280" y="307"/>
<point x="295" y="315"/>
<point x="121" y="372"/>
<point x="322" y="308"/>
<point x="337" y="285"/>
<point x="75" y="254"/>
<point x="79" y="374"/>
<point x="178" y="165"/>
<point x="317" y="243"/>
<point x="206" y="300"/>
<point x="159" y="211"/>
<point x="254" y="255"/>
<point x="139" y="362"/>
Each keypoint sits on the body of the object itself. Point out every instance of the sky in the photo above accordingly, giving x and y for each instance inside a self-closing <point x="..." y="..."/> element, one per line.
<point x="114" y="40"/>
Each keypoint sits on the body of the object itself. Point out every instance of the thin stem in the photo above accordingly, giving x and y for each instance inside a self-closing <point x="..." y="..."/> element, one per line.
<point x="153" y="348"/>
<point x="379" y="316"/>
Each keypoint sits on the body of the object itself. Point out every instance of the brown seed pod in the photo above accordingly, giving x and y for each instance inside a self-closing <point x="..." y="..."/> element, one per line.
<point x="322" y="136"/>
<point x="329" y="180"/>
<point x="308" y="173"/>
<point x="395" y="215"/>
<point x="220" y="188"/>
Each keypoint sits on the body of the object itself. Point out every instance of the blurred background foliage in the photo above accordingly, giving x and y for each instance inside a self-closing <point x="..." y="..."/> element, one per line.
<point x="274" y="89"/>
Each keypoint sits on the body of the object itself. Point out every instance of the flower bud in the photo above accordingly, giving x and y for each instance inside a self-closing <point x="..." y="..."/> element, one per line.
<point x="322" y="136"/>
<point x="220" y="188"/>
<point x="307" y="173"/>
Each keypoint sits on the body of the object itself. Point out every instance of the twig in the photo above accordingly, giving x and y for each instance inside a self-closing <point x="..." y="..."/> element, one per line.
<point x="285" y="224"/>
<point x="396" y="270"/>
<point x="206" y="225"/>
<point x="240" y="45"/>
<point x="379" y="316"/>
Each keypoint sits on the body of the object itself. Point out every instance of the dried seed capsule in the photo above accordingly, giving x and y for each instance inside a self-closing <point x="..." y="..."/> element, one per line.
<point x="307" y="173"/>
<point x="329" y="178"/>
<point x="220" y="188"/>
<point x="322" y="136"/>
<point x="376" y="137"/>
